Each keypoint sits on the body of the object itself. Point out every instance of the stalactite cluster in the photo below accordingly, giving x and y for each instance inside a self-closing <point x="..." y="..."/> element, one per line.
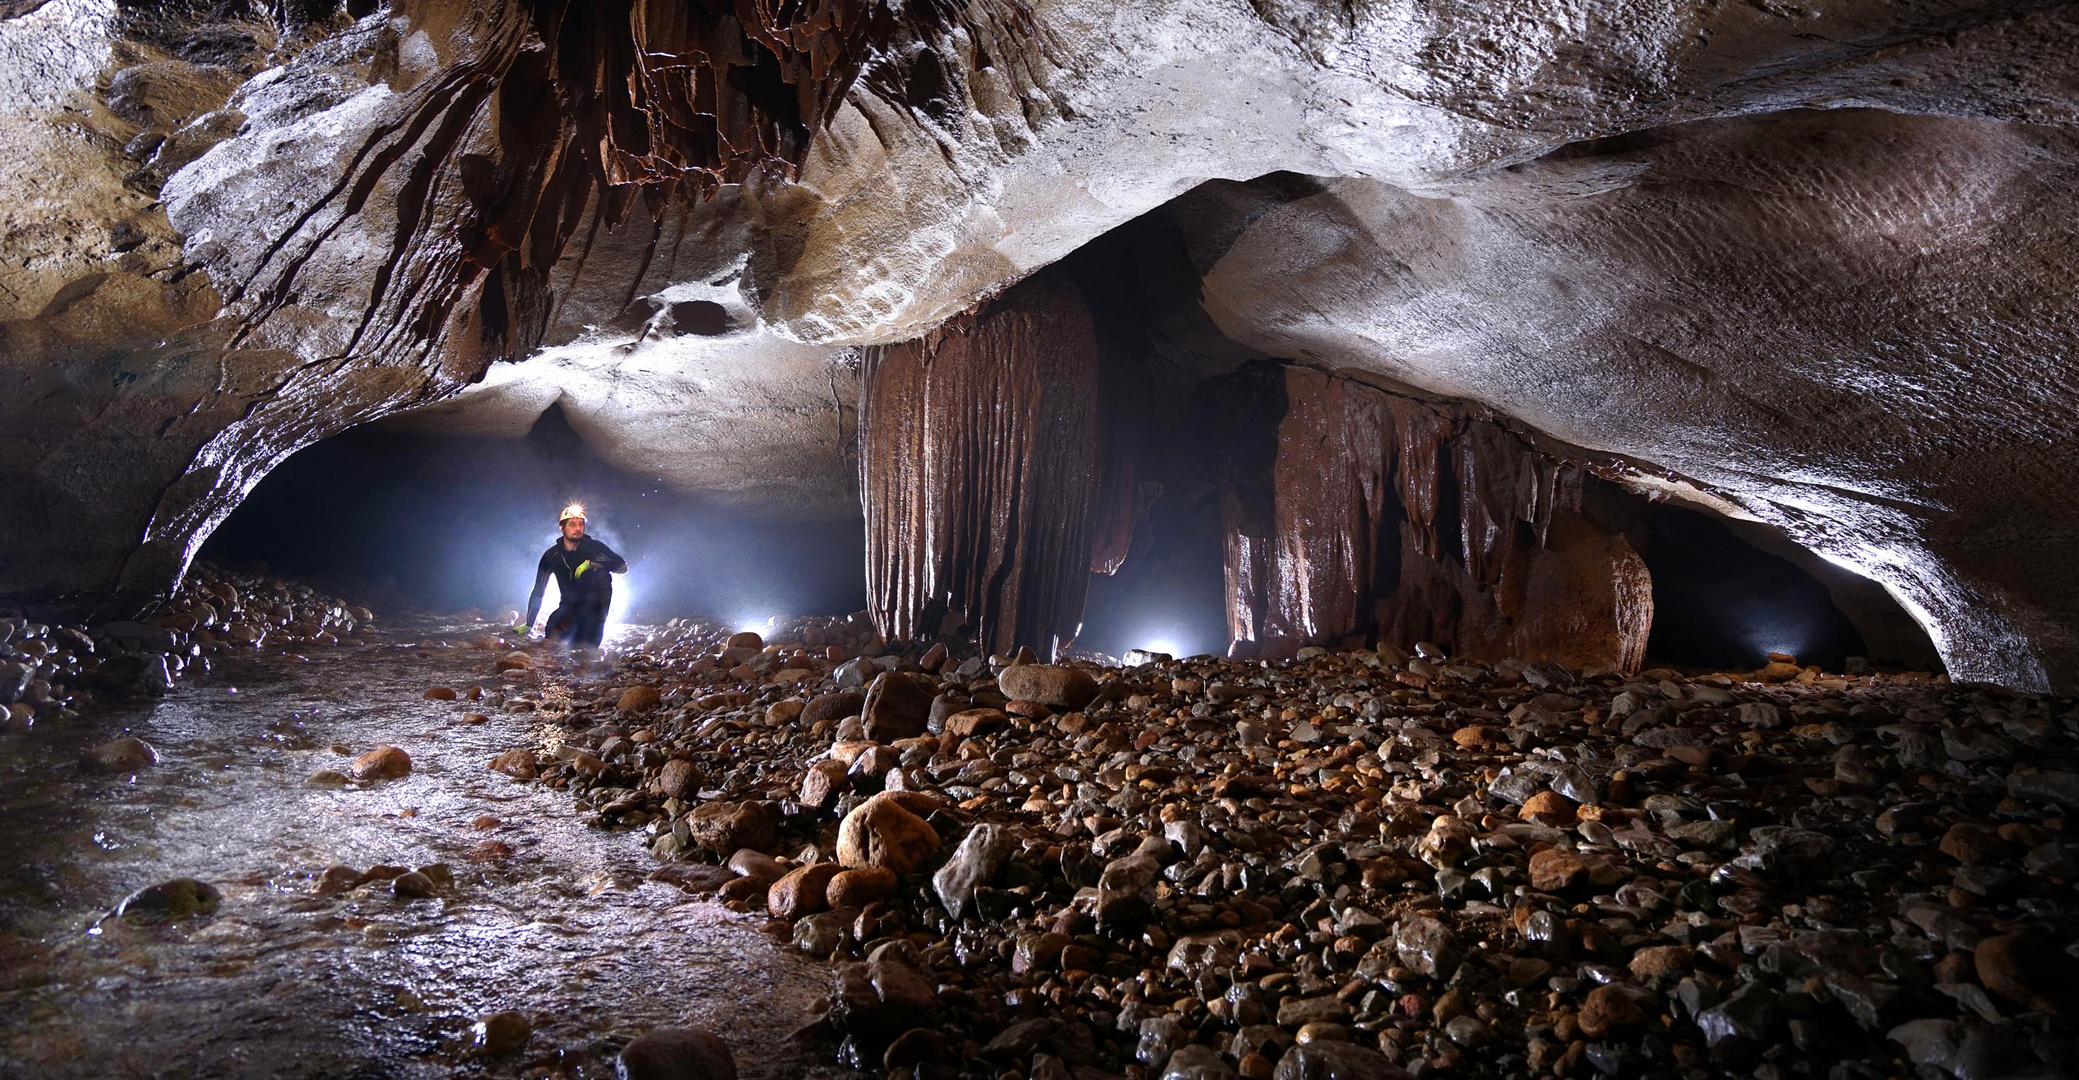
<point x="572" y="117"/>
<point x="979" y="469"/>
<point x="1349" y="510"/>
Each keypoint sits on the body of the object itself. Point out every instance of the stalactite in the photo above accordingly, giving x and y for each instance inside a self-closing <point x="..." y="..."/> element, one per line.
<point x="572" y="115"/>
<point x="979" y="469"/>
<point x="1350" y="510"/>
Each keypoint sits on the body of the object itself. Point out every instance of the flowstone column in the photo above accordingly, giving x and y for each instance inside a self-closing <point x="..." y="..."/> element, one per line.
<point x="979" y="468"/>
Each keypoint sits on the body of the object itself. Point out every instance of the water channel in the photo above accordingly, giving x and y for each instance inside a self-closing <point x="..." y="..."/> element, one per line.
<point x="281" y="982"/>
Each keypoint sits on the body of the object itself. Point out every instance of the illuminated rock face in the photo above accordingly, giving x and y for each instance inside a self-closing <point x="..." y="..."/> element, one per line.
<point x="1352" y="511"/>
<point x="1810" y="268"/>
<point x="1836" y="323"/>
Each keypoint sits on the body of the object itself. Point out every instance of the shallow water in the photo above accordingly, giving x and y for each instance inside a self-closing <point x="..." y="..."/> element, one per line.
<point x="282" y="983"/>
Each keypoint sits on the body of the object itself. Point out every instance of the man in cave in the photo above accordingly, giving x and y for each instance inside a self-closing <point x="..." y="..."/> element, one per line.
<point x="583" y="567"/>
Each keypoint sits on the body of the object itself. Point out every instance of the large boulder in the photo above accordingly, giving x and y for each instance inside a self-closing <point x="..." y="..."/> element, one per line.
<point x="1056" y="685"/>
<point x="883" y="832"/>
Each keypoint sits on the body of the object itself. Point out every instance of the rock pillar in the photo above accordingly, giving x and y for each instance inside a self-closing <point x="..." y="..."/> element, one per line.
<point x="979" y="470"/>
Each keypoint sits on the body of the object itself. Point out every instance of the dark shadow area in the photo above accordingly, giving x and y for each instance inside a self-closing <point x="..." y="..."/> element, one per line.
<point x="1168" y="595"/>
<point x="1720" y="602"/>
<point x="449" y="523"/>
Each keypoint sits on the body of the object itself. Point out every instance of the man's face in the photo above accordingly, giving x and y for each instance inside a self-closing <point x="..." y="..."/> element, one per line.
<point x="573" y="528"/>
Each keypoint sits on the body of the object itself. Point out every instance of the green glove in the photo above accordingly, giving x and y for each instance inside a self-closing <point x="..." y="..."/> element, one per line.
<point x="581" y="568"/>
<point x="521" y="629"/>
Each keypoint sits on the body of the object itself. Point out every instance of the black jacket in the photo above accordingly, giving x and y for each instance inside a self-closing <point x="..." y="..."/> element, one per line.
<point x="595" y="586"/>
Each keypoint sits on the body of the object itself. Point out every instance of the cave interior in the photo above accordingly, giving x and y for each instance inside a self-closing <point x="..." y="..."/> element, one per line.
<point x="1284" y="539"/>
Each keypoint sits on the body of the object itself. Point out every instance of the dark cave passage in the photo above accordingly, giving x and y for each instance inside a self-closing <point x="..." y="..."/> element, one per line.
<point x="1721" y="602"/>
<point x="439" y="523"/>
<point x="1166" y="596"/>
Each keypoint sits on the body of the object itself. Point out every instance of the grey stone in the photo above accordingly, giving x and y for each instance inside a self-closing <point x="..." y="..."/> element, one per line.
<point x="1425" y="944"/>
<point x="1748" y="1014"/>
<point x="978" y="858"/>
<point x="1197" y="1062"/>
<point x="170" y="901"/>
<point x="1335" y="1061"/>
<point x="1160" y="1038"/>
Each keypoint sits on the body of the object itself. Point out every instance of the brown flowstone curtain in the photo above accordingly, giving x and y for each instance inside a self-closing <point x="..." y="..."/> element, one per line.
<point x="979" y="468"/>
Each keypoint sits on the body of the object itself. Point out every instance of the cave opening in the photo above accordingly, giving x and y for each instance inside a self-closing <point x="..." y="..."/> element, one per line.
<point x="415" y="521"/>
<point x="1726" y="594"/>
<point x="1166" y="596"/>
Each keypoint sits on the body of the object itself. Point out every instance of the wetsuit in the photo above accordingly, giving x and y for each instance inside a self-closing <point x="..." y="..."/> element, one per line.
<point x="580" y="618"/>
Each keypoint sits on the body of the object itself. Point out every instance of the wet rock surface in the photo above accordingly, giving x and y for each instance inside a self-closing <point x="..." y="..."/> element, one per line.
<point x="1322" y="868"/>
<point x="217" y="914"/>
<point x="52" y="672"/>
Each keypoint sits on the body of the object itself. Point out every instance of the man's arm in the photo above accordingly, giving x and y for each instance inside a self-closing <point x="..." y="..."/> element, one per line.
<point x="606" y="559"/>
<point x="541" y="585"/>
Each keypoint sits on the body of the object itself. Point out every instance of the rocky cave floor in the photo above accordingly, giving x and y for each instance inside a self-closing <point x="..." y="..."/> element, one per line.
<point x="1357" y="864"/>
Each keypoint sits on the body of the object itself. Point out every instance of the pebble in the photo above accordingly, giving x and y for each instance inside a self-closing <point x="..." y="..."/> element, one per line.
<point x="733" y="826"/>
<point x="882" y="832"/>
<point x="518" y="764"/>
<point x="1049" y="684"/>
<point x="803" y="891"/>
<point x="170" y="901"/>
<point x="500" y="1033"/>
<point x="858" y="888"/>
<point x="680" y="779"/>
<point x="123" y="755"/>
<point x="2035" y="973"/>
<point x="980" y="854"/>
<point x="385" y="762"/>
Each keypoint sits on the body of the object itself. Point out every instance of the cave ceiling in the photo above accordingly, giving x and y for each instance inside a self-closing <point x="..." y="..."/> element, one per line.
<point x="1809" y="265"/>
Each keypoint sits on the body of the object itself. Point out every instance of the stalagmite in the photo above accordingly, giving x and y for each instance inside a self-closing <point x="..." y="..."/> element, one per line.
<point x="978" y="470"/>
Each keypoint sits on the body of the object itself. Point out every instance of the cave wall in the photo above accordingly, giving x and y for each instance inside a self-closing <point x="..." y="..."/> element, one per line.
<point x="1353" y="511"/>
<point x="246" y="227"/>
<point x="1853" y="327"/>
<point x="980" y="472"/>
